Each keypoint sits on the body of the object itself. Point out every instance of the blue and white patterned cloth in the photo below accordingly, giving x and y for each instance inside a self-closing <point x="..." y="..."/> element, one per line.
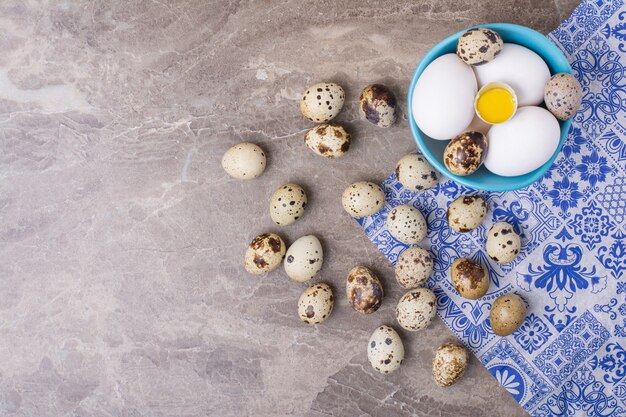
<point x="569" y="356"/>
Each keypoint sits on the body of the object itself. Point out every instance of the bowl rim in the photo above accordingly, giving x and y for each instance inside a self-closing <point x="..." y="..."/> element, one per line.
<point x="517" y="182"/>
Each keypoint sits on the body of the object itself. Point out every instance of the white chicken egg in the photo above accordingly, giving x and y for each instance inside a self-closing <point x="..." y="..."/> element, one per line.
<point x="443" y="98"/>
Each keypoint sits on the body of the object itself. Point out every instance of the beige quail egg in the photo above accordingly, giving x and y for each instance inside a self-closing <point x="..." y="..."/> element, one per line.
<point x="316" y="303"/>
<point x="377" y="104"/>
<point x="329" y="140"/>
<point x="563" y="95"/>
<point x="244" y="161"/>
<point x="264" y="253"/>
<point x="465" y="153"/>
<point x="469" y="278"/>
<point x="363" y="199"/>
<point x="479" y="46"/>
<point x="287" y="204"/>
<point x="416" y="309"/>
<point x="507" y="314"/>
<point x="413" y="267"/>
<point x="415" y="173"/>
<point x="304" y="258"/>
<point x="407" y="224"/>
<point x="466" y="213"/>
<point x="503" y="244"/>
<point x="322" y="102"/>
<point x="449" y="364"/>
<point x="364" y="290"/>
<point x="385" y="350"/>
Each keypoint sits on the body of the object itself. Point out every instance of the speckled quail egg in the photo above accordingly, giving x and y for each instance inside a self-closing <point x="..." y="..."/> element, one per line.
<point x="407" y="224"/>
<point x="466" y="213"/>
<point x="329" y="140"/>
<point x="503" y="244"/>
<point x="416" y="309"/>
<point x="415" y="173"/>
<point x="449" y="364"/>
<point x="244" y="161"/>
<point x="316" y="303"/>
<point x="377" y="104"/>
<point x="385" y="350"/>
<point x="362" y="199"/>
<point x="304" y="258"/>
<point x="413" y="267"/>
<point x="563" y="95"/>
<point x="465" y="153"/>
<point x="479" y="46"/>
<point x="322" y="102"/>
<point x="287" y="204"/>
<point x="507" y="314"/>
<point x="364" y="290"/>
<point x="469" y="278"/>
<point x="264" y="253"/>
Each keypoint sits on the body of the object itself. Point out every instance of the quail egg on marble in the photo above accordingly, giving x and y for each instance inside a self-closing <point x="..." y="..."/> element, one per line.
<point x="304" y="258"/>
<point x="264" y="253"/>
<point x="413" y="267"/>
<point x="329" y="140"/>
<point x="362" y="199"/>
<point x="322" y="102"/>
<point x="377" y="104"/>
<point x="479" y="46"/>
<point x="507" y="314"/>
<point x="466" y="213"/>
<point x="385" y="350"/>
<point x="287" y="204"/>
<point x="244" y="161"/>
<point x="415" y="173"/>
<point x="503" y="243"/>
<point x="449" y="364"/>
<point x="469" y="278"/>
<point x="465" y="153"/>
<point x="364" y="290"/>
<point x="316" y="303"/>
<point x="563" y="95"/>
<point x="407" y="224"/>
<point x="416" y="309"/>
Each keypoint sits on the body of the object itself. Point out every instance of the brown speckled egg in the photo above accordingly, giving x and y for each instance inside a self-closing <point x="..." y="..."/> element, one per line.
<point x="479" y="46"/>
<point x="465" y="153"/>
<point x="503" y="244"/>
<point x="507" y="314"/>
<point x="449" y="364"/>
<point x="328" y="140"/>
<point x="385" y="350"/>
<point x="322" y="102"/>
<point x="287" y="204"/>
<point x="413" y="267"/>
<point x="304" y="258"/>
<point x="563" y="95"/>
<point x="415" y="173"/>
<point x="264" y="253"/>
<point x="416" y="309"/>
<point x="364" y="291"/>
<point x="466" y="213"/>
<point x="316" y="303"/>
<point x="469" y="278"/>
<point x="362" y="199"/>
<point x="407" y="224"/>
<point x="377" y="105"/>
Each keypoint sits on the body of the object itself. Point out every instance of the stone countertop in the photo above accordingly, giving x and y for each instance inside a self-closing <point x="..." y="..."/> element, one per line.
<point x="123" y="291"/>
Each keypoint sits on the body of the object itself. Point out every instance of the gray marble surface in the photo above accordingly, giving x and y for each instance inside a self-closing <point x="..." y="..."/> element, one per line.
<point x="122" y="287"/>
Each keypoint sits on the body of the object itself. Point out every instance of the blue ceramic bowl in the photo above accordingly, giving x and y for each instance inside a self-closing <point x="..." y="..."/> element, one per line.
<point x="433" y="149"/>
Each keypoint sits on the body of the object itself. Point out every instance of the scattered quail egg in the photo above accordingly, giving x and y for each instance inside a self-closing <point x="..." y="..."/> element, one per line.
<point x="264" y="253"/>
<point x="479" y="46"/>
<point x="449" y="364"/>
<point x="385" y="350"/>
<point x="329" y="140"/>
<point x="469" y="278"/>
<point x="413" y="267"/>
<point x="563" y="95"/>
<point x="304" y="258"/>
<point x="316" y="303"/>
<point x="507" y="314"/>
<point x="363" y="199"/>
<point x="244" y="161"/>
<point x="377" y="104"/>
<point x="465" y="153"/>
<point x="415" y="173"/>
<point x="416" y="309"/>
<point x="503" y="244"/>
<point x="287" y="204"/>
<point x="466" y="213"/>
<point x="322" y="102"/>
<point x="407" y="224"/>
<point x="364" y="291"/>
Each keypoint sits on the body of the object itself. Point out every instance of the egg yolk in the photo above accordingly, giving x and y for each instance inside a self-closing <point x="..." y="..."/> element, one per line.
<point x="495" y="105"/>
